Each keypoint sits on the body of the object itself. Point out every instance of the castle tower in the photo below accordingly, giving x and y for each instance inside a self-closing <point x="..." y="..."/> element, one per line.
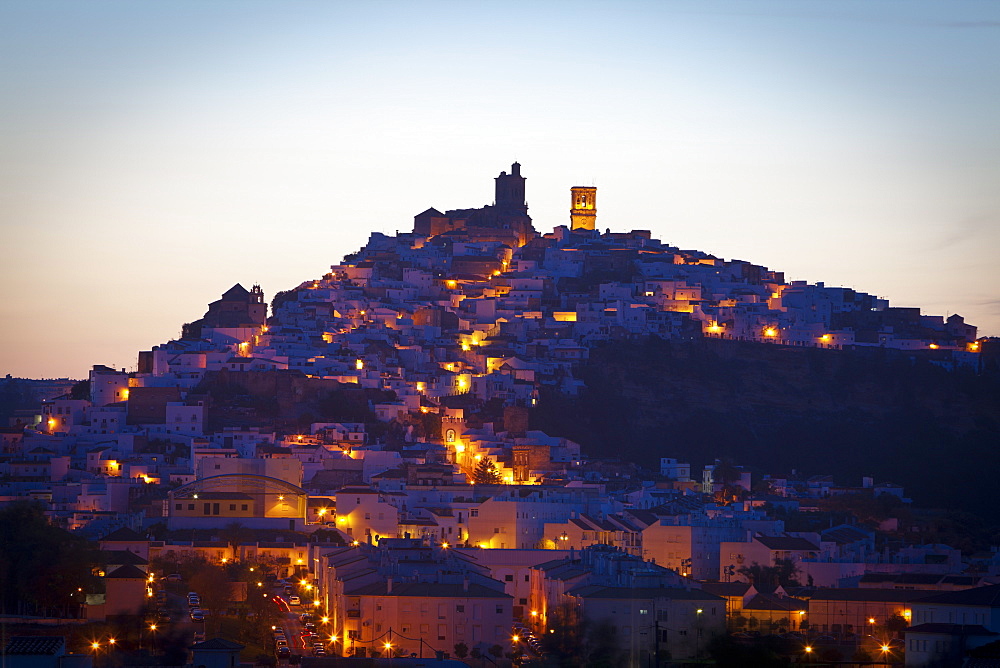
<point x="583" y="208"/>
<point x="510" y="191"/>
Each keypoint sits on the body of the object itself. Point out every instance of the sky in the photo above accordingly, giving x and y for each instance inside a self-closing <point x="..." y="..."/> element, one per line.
<point x="153" y="154"/>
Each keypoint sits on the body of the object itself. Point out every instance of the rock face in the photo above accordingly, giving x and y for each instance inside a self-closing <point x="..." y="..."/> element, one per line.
<point x="847" y="413"/>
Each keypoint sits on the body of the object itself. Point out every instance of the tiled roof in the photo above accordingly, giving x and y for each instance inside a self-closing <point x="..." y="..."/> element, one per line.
<point x="35" y="645"/>
<point x="768" y="602"/>
<point x="880" y="595"/>
<point x="977" y="596"/>
<point x="123" y="557"/>
<point x="127" y="572"/>
<point x="786" y="543"/>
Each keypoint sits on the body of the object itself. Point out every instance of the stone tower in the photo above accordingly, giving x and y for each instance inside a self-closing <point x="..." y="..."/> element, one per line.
<point x="583" y="208"/>
<point x="510" y="191"/>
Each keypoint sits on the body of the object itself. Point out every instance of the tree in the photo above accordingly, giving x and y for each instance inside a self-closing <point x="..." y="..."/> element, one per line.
<point x="486" y="473"/>
<point x="53" y="585"/>
<point x="782" y="573"/>
<point x="234" y="533"/>
<point x="215" y="591"/>
<point x="461" y="650"/>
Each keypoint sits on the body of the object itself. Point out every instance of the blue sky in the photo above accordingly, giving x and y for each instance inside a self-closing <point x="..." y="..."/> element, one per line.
<point x="154" y="154"/>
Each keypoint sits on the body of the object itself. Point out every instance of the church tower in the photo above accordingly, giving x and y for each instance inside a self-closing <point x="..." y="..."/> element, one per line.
<point x="510" y="191"/>
<point x="583" y="208"/>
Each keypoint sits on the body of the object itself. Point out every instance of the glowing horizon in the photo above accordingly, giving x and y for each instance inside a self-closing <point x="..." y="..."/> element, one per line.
<point x="155" y="154"/>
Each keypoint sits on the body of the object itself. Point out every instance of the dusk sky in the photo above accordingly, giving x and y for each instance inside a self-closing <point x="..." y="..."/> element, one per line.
<point x="152" y="154"/>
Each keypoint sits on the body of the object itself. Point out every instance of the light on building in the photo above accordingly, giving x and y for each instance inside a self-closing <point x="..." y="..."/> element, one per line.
<point x="281" y="497"/>
<point x="885" y="648"/>
<point x="466" y="347"/>
<point x="824" y="338"/>
<point x="934" y="346"/>
<point x="699" y="611"/>
<point x="459" y="447"/>
<point x="808" y="649"/>
<point x="355" y="543"/>
<point x="321" y="512"/>
<point x="95" y="645"/>
<point x="515" y="638"/>
<point x="534" y="613"/>
<point x="871" y="620"/>
<point x="770" y="332"/>
<point x="341" y="520"/>
<point x="360" y="364"/>
<point x="444" y="544"/>
<point x="324" y="620"/>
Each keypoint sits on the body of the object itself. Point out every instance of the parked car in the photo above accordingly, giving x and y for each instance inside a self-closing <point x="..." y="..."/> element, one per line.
<point x="294" y="600"/>
<point x="197" y="615"/>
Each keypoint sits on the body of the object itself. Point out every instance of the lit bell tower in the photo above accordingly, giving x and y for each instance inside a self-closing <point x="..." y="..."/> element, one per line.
<point x="583" y="208"/>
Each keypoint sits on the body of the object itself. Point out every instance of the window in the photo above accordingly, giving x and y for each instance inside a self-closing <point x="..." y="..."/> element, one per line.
<point x="190" y="506"/>
<point x="178" y="506"/>
<point x="243" y="507"/>
<point x="499" y="609"/>
<point x="232" y="506"/>
<point x="459" y="608"/>
<point x="508" y="578"/>
<point x="474" y="512"/>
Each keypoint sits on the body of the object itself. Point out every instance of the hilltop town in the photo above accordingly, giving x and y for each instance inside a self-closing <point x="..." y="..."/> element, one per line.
<point x="362" y="451"/>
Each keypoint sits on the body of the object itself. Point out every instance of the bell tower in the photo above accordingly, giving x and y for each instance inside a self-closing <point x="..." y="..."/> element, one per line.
<point x="583" y="208"/>
<point x="510" y="191"/>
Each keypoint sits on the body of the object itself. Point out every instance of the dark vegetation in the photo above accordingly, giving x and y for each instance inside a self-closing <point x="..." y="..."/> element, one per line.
<point x="51" y="584"/>
<point x="774" y="409"/>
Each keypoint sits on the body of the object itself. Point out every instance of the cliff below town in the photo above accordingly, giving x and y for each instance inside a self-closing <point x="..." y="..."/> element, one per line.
<point x="777" y="408"/>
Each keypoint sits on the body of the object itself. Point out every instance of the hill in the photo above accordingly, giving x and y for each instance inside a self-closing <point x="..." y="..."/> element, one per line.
<point x="776" y="408"/>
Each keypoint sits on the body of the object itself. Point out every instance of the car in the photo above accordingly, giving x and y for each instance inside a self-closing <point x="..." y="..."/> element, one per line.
<point x="307" y="617"/>
<point x="174" y="577"/>
<point x="310" y="626"/>
<point x="294" y="600"/>
<point x="197" y="615"/>
<point x="199" y="636"/>
<point x="281" y="642"/>
<point x="284" y="652"/>
<point x="319" y="651"/>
